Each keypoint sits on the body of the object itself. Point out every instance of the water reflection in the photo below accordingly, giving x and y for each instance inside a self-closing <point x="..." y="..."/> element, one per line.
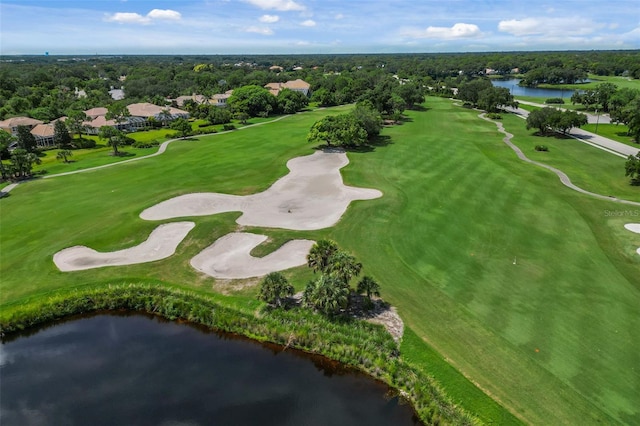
<point x="111" y="369"/>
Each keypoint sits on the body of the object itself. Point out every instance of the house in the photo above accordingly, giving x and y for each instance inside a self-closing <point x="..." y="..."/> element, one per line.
<point x="199" y="99"/>
<point x="220" y="100"/>
<point x="44" y="134"/>
<point x="297" y="85"/>
<point x="276" y="68"/>
<point x="10" y="125"/>
<point x="147" y="110"/>
<point x="138" y="119"/>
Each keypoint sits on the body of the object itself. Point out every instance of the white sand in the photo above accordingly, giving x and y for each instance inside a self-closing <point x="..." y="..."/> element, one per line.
<point x="229" y="257"/>
<point x="312" y="196"/>
<point x="162" y="243"/>
<point x="633" y="227"/>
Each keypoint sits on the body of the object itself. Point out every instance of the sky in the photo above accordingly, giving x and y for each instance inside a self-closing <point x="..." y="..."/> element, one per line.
<point x="75" y="27"/>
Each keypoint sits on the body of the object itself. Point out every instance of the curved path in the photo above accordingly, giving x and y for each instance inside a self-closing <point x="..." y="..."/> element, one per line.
<point x="161" y="149"/>
<point x="563" y="177"/>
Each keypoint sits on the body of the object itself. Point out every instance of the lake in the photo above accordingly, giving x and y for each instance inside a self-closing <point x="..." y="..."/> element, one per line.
<point x="516" y="90"/>
<point x="140" y="370"/>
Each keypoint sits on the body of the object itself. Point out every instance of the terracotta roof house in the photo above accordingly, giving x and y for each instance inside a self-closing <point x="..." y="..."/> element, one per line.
<point x="44" y="134"/>
<point x="297" y="85"/>
<point x="96" y="112"/>
<point x="199" y="99"/>
<point x="11" y="124"/>
<point x="146" y="110"/>
<point x="220" y="99"/>
<point x="275" y="68"/>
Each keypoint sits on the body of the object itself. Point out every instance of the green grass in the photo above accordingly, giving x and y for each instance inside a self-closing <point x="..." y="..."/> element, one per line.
<point x="621" y="82"/>
<point x="617" y="132"/>
<point x="553" y="337"/>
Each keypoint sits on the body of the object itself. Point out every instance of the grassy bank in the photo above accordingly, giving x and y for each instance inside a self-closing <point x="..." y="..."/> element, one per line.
<point x="355" y="343"/>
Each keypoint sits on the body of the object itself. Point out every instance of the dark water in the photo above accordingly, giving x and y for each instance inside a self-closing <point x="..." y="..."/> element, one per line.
<point x="516" y="90"/>
<point x="137" y="370"/>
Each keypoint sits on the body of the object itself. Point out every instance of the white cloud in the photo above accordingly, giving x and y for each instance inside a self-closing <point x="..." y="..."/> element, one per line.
<point x="259" y="30"/>
<point x="308" y="23"/>
<point x="282" y="5"/>
<point x="269" y="19"/>
<point x="339" y="16"/>
<point x="164" y="14"/>
<point x="136" y="18"/>
<point x="127" y="18"/>
<point x="560" y="27"/>
<point x="459" y="30"/>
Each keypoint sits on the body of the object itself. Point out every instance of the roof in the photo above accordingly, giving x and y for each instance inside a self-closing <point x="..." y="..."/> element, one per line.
<point x="99" y="122"/>
<point x="19" y="121"/>
<point x="146" y="109"/>
<point x="180" y="100"/>
<point x="43" y="130"/>
<point x="95" y="112"/>
<point x="298" y="84"/>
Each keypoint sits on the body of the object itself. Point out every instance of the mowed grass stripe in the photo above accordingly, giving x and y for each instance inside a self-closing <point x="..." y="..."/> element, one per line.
<point x="533" y="303"/>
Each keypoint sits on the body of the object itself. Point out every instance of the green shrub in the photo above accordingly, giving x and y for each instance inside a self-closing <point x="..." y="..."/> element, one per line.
<point x="83" y="143"/>
<point x="146" y="144"/>
<point x="542" y="148"/>
<point x="554" y="101"/>
<point x="228" y="127"/>
<point x="494" y="116"/>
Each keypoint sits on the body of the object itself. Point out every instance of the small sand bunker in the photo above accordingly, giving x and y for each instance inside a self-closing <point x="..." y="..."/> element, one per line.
<point x="229" y="257"/>
<point x="633" y="227"/>
<point x="162" y="243"/>
<point x="312" y="196"/>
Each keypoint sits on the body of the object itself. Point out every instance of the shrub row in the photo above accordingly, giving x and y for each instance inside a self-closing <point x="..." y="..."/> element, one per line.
<point x="352" y="342"/>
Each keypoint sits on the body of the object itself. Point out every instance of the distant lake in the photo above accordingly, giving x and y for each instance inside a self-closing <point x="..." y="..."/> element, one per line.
<point x="516" y="90"/>
<point x="139" y="370"/>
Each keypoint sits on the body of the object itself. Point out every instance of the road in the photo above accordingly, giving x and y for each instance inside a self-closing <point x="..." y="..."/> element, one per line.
<point x="597" y="141"/>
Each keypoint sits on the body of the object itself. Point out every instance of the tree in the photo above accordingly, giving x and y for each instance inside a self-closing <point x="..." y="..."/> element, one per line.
<point x="165" y="116"/>
<point x="343" y="266"/>
<point x="319" y="255"/>
<point x="253" y="100"/>
<point x="182" y="126"/>
<point x="25" y="139"/>
<point x="113" y="136"/>
<point x="491" y="99"/>
<point x="274" y="289"/>
<point x="632" y="168"/>
<point x="118" y="112"/>
<point x="323" y="97"/>
<point x="75" y="121"/>
<point x="6" y="139"/>
<point x="22" y="162"/>
<point x="470" y="91"/>
<point x="338" y="130"/>
<point x="326" y="294"/>
<point x="369" y="287"/>
<point x="64" y="154"/>
<point x="604" y="92"/>
<point x="368" y="118"/>
<point x="291" y="101"/>
<point x="219" y="115"/>
<point x="411" y="93"/>
<point x="61" y="136"/>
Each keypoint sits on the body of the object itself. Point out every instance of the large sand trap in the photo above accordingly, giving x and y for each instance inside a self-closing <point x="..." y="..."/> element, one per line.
<point x="633" y="227"/>
<point x="229" y="257"/>
<point x="312" y="196"/>
<point x="162" y="243"/>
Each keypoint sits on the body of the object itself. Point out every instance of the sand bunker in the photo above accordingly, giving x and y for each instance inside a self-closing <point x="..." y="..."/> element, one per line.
<point x="633" y="227"/>
<point x="229" y="257"/>
<point x="312" y="196"/>
<point x="162" y="243"/>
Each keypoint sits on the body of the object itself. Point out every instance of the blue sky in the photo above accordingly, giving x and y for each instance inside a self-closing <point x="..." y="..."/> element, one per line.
<point x="314" y="26"/>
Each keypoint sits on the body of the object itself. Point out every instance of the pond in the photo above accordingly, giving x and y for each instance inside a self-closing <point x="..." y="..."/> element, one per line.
<point x="512" y="85"/>
<point x="140" y="370"/>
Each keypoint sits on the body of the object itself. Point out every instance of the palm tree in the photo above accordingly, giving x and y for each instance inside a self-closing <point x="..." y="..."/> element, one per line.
<point x="63" y="154"/>
<point x="326" y="294"/>
<point x="318" y="257"/>
<point x="343" y="266"/>
<point x="368" y="286"/>
<point x="113" y="137"/>
<point x="274" y="288"/>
